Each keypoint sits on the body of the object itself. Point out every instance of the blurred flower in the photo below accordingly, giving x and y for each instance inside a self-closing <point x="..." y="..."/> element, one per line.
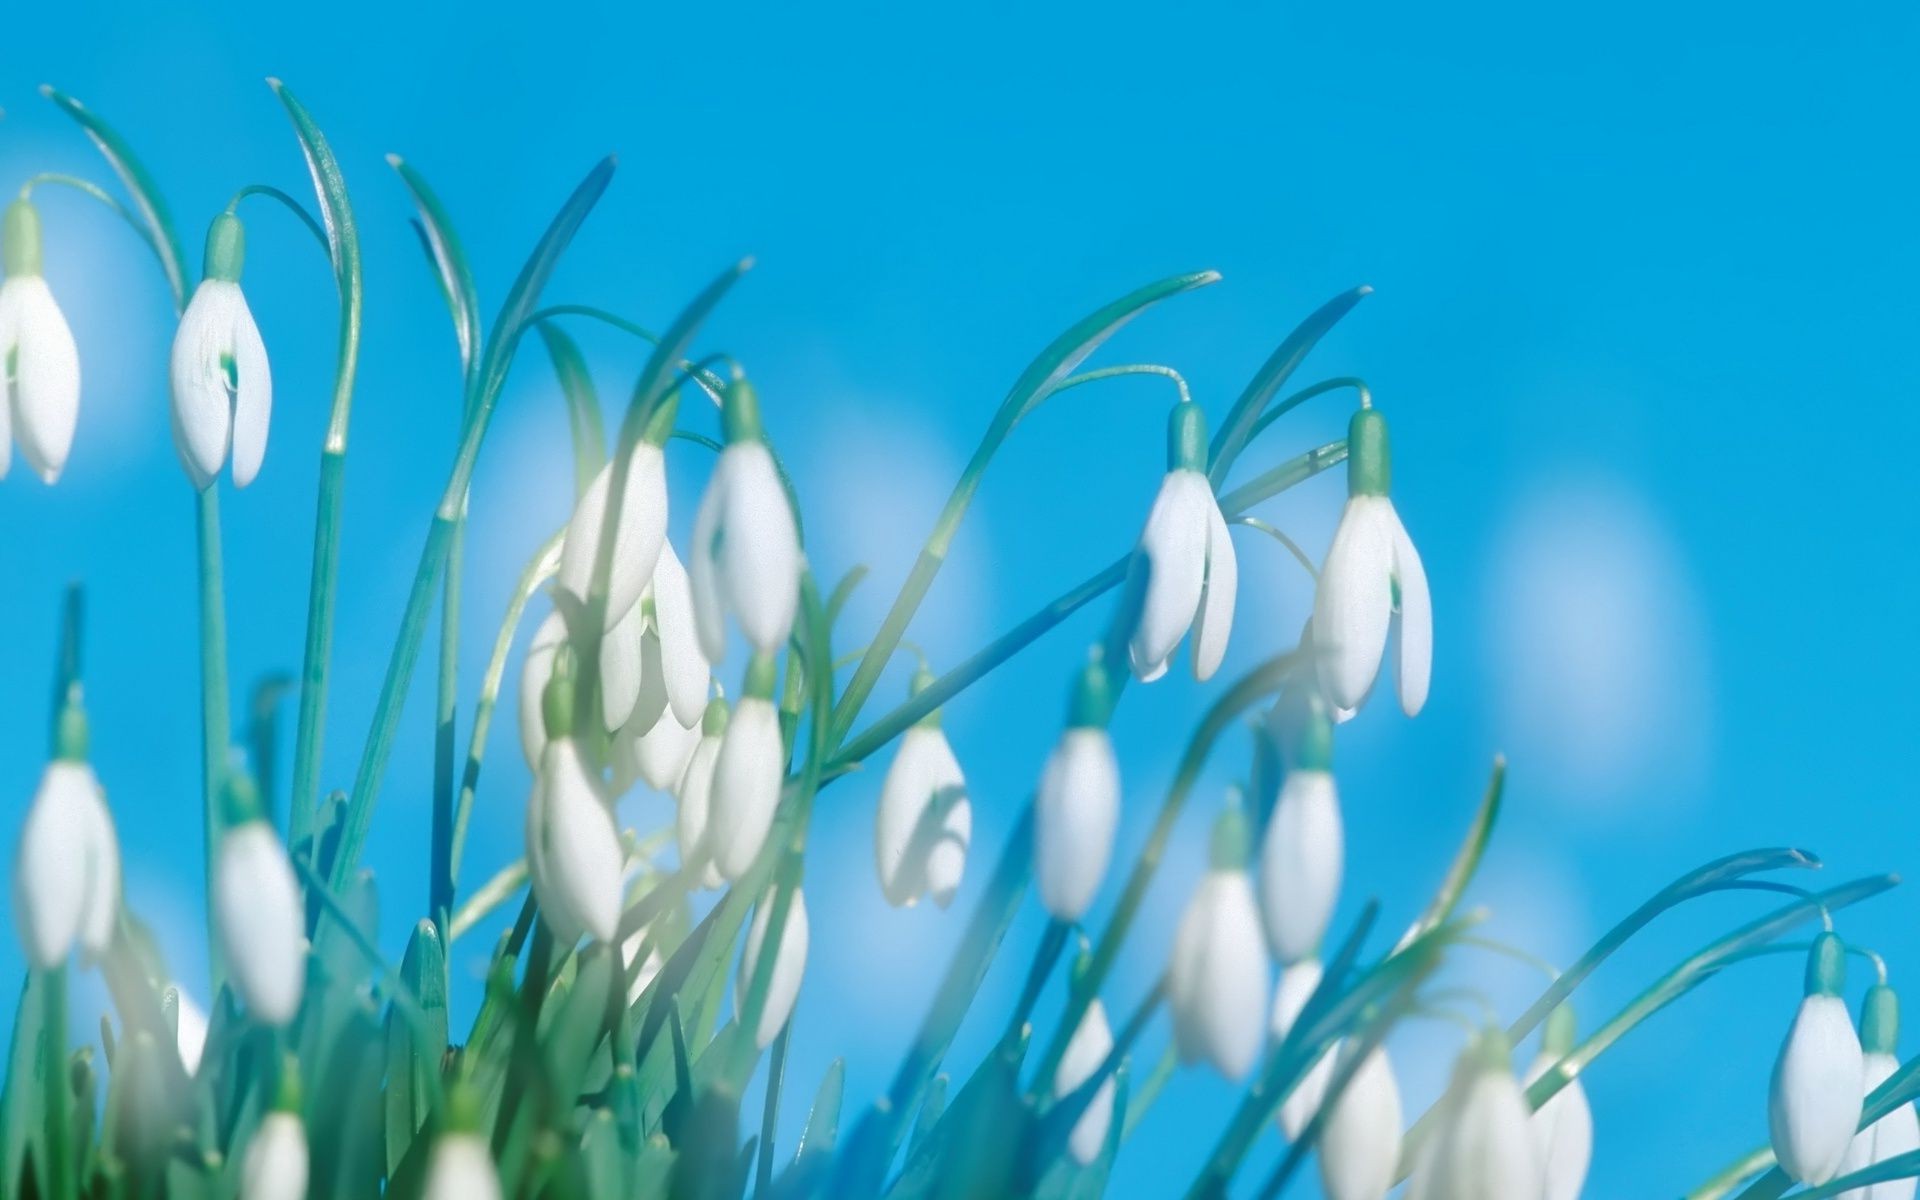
<point x="1217" y="980"/>
<point x="657" y="757"/>
<point x="1563" y="1126"/>
<point x="641" y="532"/>
<point x="789" y="965"/>
<point x="747" y="775"/>
<point x="222" y="387"/>
<point x="621" y="667"/>
<point x="259" y="911"/>
<point x="535" y="669"/>
<point x="1078" y="804"/>
<point x="696" y="801"/>
<point x="1371" y="573"/>
<point x="925" y="821"/>
<point x="1086" y="1052"/>
<point x="1899" y="1131"/>
<point x="461" y="1169"/>
<point x="574" y="855"/>
<point x="1814" y="1106"/>
<point x="275" y="1167"/>
<point x="1297" y="983"/>
<point x="39" y="365"/>
<point x="1360" y="1141"/>
<point x="746" y="546"/>
<point x="66" y="875"/>
<point x="673" y="657"/>
<point x="1187" y="557"/>
<point x="1303" y="852"/>
<point x="189" y="1029"/>
<point x="1481" y="1147"/>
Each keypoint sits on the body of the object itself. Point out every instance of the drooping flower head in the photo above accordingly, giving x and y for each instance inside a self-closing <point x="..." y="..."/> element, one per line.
<point x="1814" y="1104"/>
<point x="39" y="365"/>
<point x="574" y="855"/>
<point x="461" y="1166"/>
<point x="259" y="911"/>
<point x="1563" y="1126"/>
<point x="276" y="1165"/>
<point x="1372" y="572"/>
<point x="1217" y="980"/>
<point x="222" y="387"/>
<point x="641" y="529"/>
<point x="925" y="821"/>
<point x="789" y="964"/>
<point x="66" y="876"/>
<point x="1481" y="1147"/>
<point x="1360" y="1142"/>
<point x="1898" y="1132"/>
<point x="746" y="544"/>
<point x="1187" y="559"/>
<point x="695" y="817"/>
<point x="747" y="775"/>
<point x="1086" y="1052"/>
<point x="1298" y="981"/>
<point x="1302" y="855"/>
<point x="1078" y="804"/>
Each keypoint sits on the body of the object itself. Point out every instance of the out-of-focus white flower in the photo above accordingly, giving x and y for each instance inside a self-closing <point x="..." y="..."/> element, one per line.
<point x="1563" y="1126"/>
<point x="746" y="545"/>
<point x="574" y="856"/>
<point x="1371" y="573"/>
<point x="1297" y="983"/>
<point x="1814" y="1105"/>
<point x="1086" y="1052"/>
<point x="925" y="821"/>
<point x="1482" y="1147"/>
<point x="1360" y="1140"/>
<point x="461" y="1169"/>
<point x="1078" y="805"/>
<point x="657" y="757"/>
<point x="275" y="1167"/>
<point x="747" y="775"/>
<point x="696" y="801"/>
<point x="1303" y="852"/>
<point x="1188" y="559"/>
<point x="789" y="965"/>
<point x="535" y="669"/>
<point x="1217" y="980"/>
<point x="673" y="641"/>
<point x="189" y="1028"/>
<point x="259" y="911"/>
<point x="641" y="532"/>
<point x="39" y="365"/>
<point x="222" y="387"/>
<point x="1899" y="1131"/>
<point x="66" y="876"/>
<point x="622" y="664"/>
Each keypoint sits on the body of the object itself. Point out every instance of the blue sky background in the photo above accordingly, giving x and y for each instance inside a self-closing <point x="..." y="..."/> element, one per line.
<point x="1644" y="328"/>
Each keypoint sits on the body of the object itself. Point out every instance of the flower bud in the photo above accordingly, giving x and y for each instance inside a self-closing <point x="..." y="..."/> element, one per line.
<point x="747" y="776"/>
<point x="1301" y="860"/>
<point x="1896" y="1133"/>
<point x="39" y="365"/>
<point x="574" y="855"/>
<point x="1217" y="980"/>
<point x="1085" y="1054"/>
<point x="275" y="1167"/>
<point x="1297" y="983"/>
<point x="789" y="965"/>
<point x="1482" y="1147"/>
<point x="1078" y="805"/>
<point x="1814" y="1105"/>
<point x="1187" y="559"/>
<point x="1563" y="1126"/>
<point x="259" y="911"/>
<point x="66" y="878"/>
<point x="461" y="1169"/>
<point x="694" y="820"/>
<point x="925" y="821"/>
<point x="1360" y="1140"/>
<point x="222" y="387"/>
<point x="746" y="544"/>
<point x="641" y="532"/>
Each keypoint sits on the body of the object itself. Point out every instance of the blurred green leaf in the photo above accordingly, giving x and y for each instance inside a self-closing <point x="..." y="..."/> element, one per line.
<point x="415" y="1050"/>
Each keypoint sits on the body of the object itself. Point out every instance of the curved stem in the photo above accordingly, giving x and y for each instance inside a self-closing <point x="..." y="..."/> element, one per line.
<point x="1179" y="380"/>
<point x="298" y="209"/>
<point x="1305" y="394"/>
<point x="89" y="188"/>
<point x="1292" y="547"/>
<point x="1513" y="952"/>
<point x="707" y="380"/>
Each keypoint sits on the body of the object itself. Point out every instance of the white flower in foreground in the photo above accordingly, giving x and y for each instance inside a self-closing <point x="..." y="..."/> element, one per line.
<point x="276" y="1164"/>
<point x="259" y="911"/>
<point x="574" y="855"/>
<point x="1304" y="850"/>
<point x="747" y="775"/>
<point x="1086" y="1052"/>
<point x="657" y="757"/>
<point x="39" y="365"/>
<point x="640" y="533"/>
<point x="461" y="1169"/>
<point x="66" y="875"/>
<point x="222" y="388"/>
<point x="1899" y="1131"/>
<point x="925" y="821"/>
<point x="1187" y="555"/>
<point x="1371" y="573"/>
<point x="1078" y="804"/>
<point x="1563" y="1126"/>
<point x="1814" y="1106"/>
<point x="746" y="545"/>
<point x="674" y="660"/>
<point x="1360" y="1140"/>
<point x="696" y="801"/>
<point x="622" y="663"/>
<point x="1482" y="1147"/>
<point x="789" y="965"/>
<point x="189" y="1029"/>
<point x="1297" y="983"/>
<point x="1217" y="981"/>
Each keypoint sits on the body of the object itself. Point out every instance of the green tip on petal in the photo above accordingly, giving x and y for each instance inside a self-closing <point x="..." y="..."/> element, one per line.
<point x="556" y="703"/>
<point x="286" y="1092"/>
<point x="740" y="413"/>
<point x="1092" y="703"/>
<point x="1880" y="1020"/>
<point x="1313" y="738"/>
<point x="1557" y="1038"/>
<point x="1491" y="1051"/>
<point x="1369" y="463"/>
<point x="659" y="426"/>
<point x="1826" y="966"/>
<point x="463" y="1109"/>
<point x="226" y="248"/>
<point x="1232" y="840"/>
<point x="761" y="674"/>
<point x="713" y="722"/>
<point x="1186" y="438"/>
<point x="71" y="739"/>
<point x="923" y="678"/>
<point x="240" y="795"/>
<point x="20" y="239"/>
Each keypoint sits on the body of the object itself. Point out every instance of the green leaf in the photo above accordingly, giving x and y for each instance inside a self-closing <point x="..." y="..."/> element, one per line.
<point x="415" y="1050"/>
<point x="344" y="1114"/>
<point x="931" y="1110"/>
<point x="450" y="265"/>
<point x="603" y="1161"/>
<point x="583" y="405"/>
<point x="1466" y="860"/>
<point x="139" y="184"/>
<point x="579" y="1021"/>
<point x="20" y="1108"/>
<point x="1271" y="377"/>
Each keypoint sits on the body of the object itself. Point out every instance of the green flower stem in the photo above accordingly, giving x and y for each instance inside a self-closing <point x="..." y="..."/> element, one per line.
<point x="1237" y="429"/>
<point x="1729" y="1177"/>
<point x="1286" y="543"/>
<point x="704" y="378"/>
<point x="1179" y="380"/>
<point x="440" y="877"/>
<point x="770" y="1111"/>
<point x="56" y="1100"/>
<point x="1149" y="1090"/>
<point x="589" y="438"/>
<point x="1051" y="944"/>
<point x="66" y="670"/>
<point x="88" y="187"/>
<point x="298" y="209"/>
<point x="504" y="886"/>
<point x="215" y="725"/>
<point x="1307" y="393"/>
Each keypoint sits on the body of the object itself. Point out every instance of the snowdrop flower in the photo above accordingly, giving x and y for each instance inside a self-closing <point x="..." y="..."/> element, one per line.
<point x="789" y="964"/>
<point x="1371" y="573"/>
<point x="622" y="663"/>
<point x="39" y="366"/>
<point x="657" y="757"/>
<point x="747" y="775"/>
<point x="1482" y="1148"/>
<point x="66" y="873"/>
<point x="659" y="733"/>
<point x="535" y="670"/>
<point x="461" y="1166"/>
<point x="275" y="1167"/>
<point x="1814" y="1106"/>
<point x="925" y="820"/>
<point x="189" y="1028"/>
<point x="696" y="801"/>
<point x="1086" y="1052"/>
<point x="574" y="855"/>
<point x="1217" y="981"/>
<point x="1078" y="804"/>
<point x="1187" y="557"/>
<point x="222" y="388"/>
<point x="1302" y="854"/>
<point x="259" y="912"/>
<point x="1896" y="1133"/>
<point x="1297" y="983"/>
<point x="641" y="528"/>
<point x="1360" y="1141"/>
<point x="746" y="546"/>
<point x="1563" y="1126"/>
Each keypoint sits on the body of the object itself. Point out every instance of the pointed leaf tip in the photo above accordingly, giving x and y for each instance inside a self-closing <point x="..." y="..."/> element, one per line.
<point x="273" y="81"/>
<point x="394" y="161"/>
<point x="47" y="90"/>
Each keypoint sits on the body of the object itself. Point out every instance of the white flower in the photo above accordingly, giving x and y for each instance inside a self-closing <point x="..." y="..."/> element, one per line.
<point x="1371" y="573"/>
<point x="1086" y="1052"/>
<point x="535" y="669"/>
<point x="622" y="663"/>
<point x="574" y="855"/>
<point x="746" y="546"/>
<point x="657" y="757"/>
<point x="1077" y="807"/>
<point x="1191" y="572"/>
<point x="696" y="802"/>
<point x="747" y="776"/>
<point x="1896" y="1133"/>
<point x="925" y="821"/>
<point x="39" y="366"/>
<point x="1301" y="859"/>
<point x="674" y="640"/>
<point x="1814" y="1105"/>
<point x="789" y="964"/>
<point x="1482" y="1148"/>
<point x="1217" y="980"/>
<point x="642" y="531"/>
<point x="276" y="1164"/>
<point x="261" y="918"/>
<point x="189" y="1029"/>
<point x="66" y="876"/>
<point x="222" y="388"/>
<point x="461" y="1169"/>
<point x="1297" y="983"/>
<point x="1563" y="1126"/>
<point x="1360" y="1140"/>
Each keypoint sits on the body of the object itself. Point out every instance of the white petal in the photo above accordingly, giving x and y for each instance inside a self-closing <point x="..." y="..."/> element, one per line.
<point x="45" y="391"/>
<point x="636" y="544"/>
<point x="1487" y="1152"/>
<point x="1360" y="1141"/>
<point x="649" y="969"/>
<point x="49" y="895"/>
<point x="621" y="668"/>
<point x="261" y="919"/>
<point x="1173" y="545"/>
<point x="1415" y="667"/>
<point x="535" y="670"/>
<point x="1814" y="1105"/>
<point x="658" y="757"/>
<point x="202" y="402"/>
<point x="924" y="822"/>
<point x="947" y="860"/>
<point x="461" y="1169"/>
<point x="1217" y="983"/>
<point x="276" y="1164"/>
<point x="759" y="554"/>
<point x="703" y="568"/>
<point x="1353" y="605"/>
<point x="1075" y="814"/>
<point x="1214" y="623"/>
<point x="789" y="965"/>
<point x="1894" y="1134"/>
<point x="1297" y="983"/>
<point x="1301" y="859"/>
<point x="746" y="786"/>
<point x="696" y="800"/>
<point x="687" y="675"/>
<point x="574" y="851"/>
<point x="102" y="874"/>
<point x="253" y="401"/>
<point x="190" y="1029"/>
<point x="1086" y="1052"/>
